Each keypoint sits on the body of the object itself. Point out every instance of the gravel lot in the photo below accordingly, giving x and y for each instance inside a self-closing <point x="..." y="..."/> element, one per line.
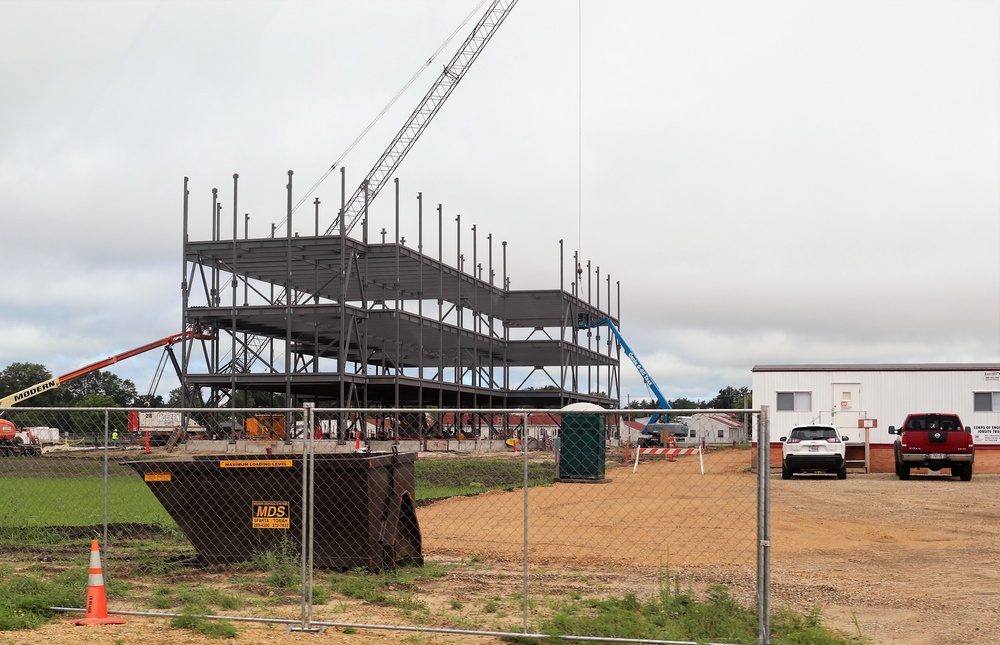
<point x="916" y="562"/>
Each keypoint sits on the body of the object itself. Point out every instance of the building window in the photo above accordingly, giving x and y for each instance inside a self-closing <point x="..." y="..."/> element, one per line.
<point x="795" y="401"/>
<point x="986" y="401"/>
<point x="722" y="433"/>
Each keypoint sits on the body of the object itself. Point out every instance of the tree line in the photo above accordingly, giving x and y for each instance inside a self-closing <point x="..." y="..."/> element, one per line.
<point x="101" y="389"/>
<point x="93" y="390"/>
<point x="729" y="398"/>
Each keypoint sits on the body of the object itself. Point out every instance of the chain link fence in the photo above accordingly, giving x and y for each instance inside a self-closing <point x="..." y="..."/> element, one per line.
<point x="286" y="512"/>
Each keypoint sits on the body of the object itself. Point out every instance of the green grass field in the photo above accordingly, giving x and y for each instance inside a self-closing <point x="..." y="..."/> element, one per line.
<point x="59" y="501"/>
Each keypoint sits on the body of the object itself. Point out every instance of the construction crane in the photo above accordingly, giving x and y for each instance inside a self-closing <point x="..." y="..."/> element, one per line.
<point x="55" y="382"/>
<point x="654" y="427"/>
<point x="442" y="88"/>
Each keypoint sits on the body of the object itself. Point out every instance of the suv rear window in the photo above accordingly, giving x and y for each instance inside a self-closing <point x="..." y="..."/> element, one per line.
<point x="807" y="434"/>
<point x="934" y="422"/>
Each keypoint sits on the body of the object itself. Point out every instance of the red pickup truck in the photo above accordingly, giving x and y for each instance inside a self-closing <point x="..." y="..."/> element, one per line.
<point x="934" y="440"/>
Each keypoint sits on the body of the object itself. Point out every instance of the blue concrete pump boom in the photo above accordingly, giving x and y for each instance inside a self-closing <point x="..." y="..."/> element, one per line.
<point x="583" y="322"/>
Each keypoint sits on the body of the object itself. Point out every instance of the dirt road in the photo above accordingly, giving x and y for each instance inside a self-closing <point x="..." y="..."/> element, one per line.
<point x="907" y="563"/>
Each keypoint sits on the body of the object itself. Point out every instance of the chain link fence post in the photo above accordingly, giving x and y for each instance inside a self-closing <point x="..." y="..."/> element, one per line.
<point x="764" y="528"/>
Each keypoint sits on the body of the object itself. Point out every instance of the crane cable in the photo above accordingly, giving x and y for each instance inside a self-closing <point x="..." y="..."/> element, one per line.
<point x="579" y="134"/>
<point x="374" y="122"/>
<point x="447" y="41"/>
<point x="385" y="109"/>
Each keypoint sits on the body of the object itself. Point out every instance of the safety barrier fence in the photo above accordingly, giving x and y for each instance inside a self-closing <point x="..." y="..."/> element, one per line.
<point x="440" y="521"/>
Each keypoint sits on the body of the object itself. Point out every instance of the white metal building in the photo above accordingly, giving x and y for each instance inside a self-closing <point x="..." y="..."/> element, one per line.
<point x="845" y="395"/>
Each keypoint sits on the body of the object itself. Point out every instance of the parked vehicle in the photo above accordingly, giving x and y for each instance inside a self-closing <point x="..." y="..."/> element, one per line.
<point x="934" y="440"/>
<point x="813" y="448"/>
<point x="162" y="427"/>
<point x="658" y="435"/>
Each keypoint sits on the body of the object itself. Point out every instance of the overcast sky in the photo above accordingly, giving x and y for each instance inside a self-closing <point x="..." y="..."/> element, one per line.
<point x="798" y="181"/>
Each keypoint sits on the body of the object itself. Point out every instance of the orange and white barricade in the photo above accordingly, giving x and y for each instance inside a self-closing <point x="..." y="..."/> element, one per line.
<point x="669" y="453"/>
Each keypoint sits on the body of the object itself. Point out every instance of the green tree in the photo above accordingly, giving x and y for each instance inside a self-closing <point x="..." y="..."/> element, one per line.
<point x="732" y="397"/>
<point x="121" y="391"/>
<point x="19" y="376"/>
<point x="684" y="404"/>
<point x="91" y="422"/>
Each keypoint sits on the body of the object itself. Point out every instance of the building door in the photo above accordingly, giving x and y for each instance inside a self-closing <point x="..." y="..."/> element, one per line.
<point x="847" y="410"/>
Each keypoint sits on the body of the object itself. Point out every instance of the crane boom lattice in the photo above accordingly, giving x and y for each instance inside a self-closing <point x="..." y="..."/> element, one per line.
<point x="356" y="206"/>
<point x="439" y="92"/>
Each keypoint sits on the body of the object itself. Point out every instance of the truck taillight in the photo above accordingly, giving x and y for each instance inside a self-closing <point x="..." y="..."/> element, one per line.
<point x="793" y="440"/>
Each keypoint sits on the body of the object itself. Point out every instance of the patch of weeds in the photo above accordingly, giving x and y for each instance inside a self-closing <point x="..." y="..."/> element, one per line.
<point x="34" y="535"/>
<point x="221" y="599"/>
<point x="805" y="629"/>
<point x="210" y="628"/>
<point x="518" y="599"/>
<point x="319" y="596"/>
<point x="350" y="630"/>
<point x="678" y="614"/>
<point x="456" y="604"/>
<point x="432" y="570"/>
<point x="491" y="607"/>
<point x="78" y="577"/>
<point x="195" y="599"/>
<point x="147" y="565"/>
<point x="161" y="598"/>
<point x="361" y="585"/>
<point x="393" y="588"/>
<point x="25" y="602"/>
<point x="282" y="563"/>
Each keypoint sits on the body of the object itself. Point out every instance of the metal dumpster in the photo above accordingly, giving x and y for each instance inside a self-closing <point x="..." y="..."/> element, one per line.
<point x="233" y="507"/>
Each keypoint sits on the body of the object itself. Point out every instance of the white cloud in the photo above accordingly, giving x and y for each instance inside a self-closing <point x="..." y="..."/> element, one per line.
<point x="769" y="181"/>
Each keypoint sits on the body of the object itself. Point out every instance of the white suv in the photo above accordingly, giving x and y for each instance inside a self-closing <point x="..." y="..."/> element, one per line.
<point x="813" y="448"/>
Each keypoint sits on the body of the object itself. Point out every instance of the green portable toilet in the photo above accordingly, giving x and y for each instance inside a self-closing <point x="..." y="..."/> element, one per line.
<point x="582" y="447"/>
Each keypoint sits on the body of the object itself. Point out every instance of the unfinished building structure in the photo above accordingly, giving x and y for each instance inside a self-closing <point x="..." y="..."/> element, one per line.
<point x="356" y="323"/>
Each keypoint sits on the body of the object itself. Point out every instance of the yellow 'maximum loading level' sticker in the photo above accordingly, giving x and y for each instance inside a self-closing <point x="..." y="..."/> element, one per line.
<point x="256" y="463"/>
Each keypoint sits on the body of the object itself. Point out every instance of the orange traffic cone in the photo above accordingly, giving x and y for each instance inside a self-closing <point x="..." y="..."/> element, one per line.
<point x="97" y="602"/>
<point x="672" y="445"/>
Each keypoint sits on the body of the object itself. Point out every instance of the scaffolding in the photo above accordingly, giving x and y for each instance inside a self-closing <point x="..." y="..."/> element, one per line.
<point x="355" y="323"/>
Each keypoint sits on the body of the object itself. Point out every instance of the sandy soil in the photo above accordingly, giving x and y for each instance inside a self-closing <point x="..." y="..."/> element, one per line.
<point x="906" y="563"/>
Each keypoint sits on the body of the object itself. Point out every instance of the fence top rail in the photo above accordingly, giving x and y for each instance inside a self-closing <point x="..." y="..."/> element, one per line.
<point x="376" y="410"/>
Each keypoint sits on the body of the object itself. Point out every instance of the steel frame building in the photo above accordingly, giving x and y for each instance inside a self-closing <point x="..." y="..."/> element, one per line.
<point x="351" y="323"/>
